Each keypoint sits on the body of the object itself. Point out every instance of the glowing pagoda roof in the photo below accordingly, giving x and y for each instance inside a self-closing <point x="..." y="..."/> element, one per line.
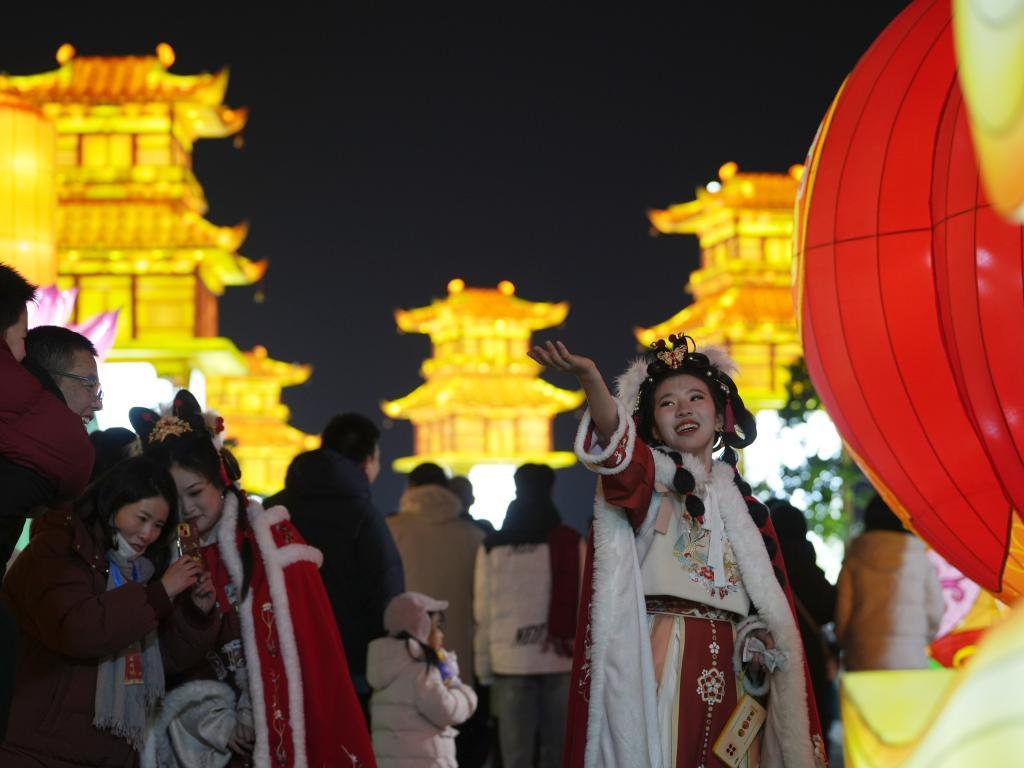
<point x="284" y="374"/>
<point x="104" y="80"/>
<point x="485" y="394"/>
<point x="158" y="236"/>
<point x="736" y="194"/>
<point x="762" y="309"/>
<point x="142" y="224"/>
<point x="468" y="306"/>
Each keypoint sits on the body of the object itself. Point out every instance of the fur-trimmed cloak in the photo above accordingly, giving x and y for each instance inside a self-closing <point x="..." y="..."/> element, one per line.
<point x="305" y="710"/>
<point x="613" y="700"/>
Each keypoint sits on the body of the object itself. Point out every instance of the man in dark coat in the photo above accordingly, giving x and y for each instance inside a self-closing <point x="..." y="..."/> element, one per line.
<point x="45" y="454"/>
<point x="327" y="492"/>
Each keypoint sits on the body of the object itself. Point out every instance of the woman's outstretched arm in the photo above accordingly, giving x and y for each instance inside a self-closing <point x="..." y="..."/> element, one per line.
<point x="602" y="405"/>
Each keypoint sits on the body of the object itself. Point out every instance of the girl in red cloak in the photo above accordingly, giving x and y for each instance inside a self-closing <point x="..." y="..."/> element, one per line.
<point x="277" y="690"/>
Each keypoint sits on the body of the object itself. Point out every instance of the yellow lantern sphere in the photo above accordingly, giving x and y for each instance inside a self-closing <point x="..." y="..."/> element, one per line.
<point x="28" y="197"/>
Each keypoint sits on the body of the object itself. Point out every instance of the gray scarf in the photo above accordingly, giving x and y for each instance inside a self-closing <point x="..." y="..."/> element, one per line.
<point x="121" y="708"/>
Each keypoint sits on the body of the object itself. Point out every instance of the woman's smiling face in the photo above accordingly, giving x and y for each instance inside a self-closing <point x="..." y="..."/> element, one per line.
<point x="202" y="502"/>
<point x="685" y="416"/>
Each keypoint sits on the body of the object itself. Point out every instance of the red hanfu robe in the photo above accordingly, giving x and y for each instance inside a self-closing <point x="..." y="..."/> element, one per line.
<point x="612" y="718"/>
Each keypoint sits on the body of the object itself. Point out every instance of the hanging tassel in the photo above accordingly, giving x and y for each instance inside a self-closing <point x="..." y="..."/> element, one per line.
<point x="730" y="417"/>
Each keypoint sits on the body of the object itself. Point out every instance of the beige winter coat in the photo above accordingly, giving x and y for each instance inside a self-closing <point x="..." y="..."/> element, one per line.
<point x="888" y="602"/>
<point x="438" y="551"/>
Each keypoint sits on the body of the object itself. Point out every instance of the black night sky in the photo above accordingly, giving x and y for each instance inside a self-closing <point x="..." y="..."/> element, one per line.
<point x="390" y="150"/>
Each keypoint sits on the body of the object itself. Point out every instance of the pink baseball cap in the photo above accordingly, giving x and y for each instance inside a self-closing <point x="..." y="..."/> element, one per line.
<point x="410" y="612"/>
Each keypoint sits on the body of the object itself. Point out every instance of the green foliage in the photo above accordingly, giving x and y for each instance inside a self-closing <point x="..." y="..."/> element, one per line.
<point x="831" y="485"/>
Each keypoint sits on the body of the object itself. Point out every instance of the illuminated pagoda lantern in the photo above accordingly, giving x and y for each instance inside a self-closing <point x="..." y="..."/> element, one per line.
<point x="743" y="300"/>
<point x="131" y="235"/>
<point x="743" y="290"/>
<point x="483" y="409"/>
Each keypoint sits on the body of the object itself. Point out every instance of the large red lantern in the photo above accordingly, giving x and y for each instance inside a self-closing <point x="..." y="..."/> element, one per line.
<point x="911" y="301"/>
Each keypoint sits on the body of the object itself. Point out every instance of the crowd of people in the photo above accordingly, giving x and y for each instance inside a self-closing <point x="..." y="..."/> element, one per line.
<point x="159" y="616"/>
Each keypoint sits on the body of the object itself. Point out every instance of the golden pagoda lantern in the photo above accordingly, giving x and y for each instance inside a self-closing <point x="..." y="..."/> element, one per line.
<point x="28" y="197"/>
<point x="483" y="401"/>
<point x="743" y="291"/>
<point x="130" y="234"/>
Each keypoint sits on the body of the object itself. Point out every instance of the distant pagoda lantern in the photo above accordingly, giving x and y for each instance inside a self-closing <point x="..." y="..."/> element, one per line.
<point x="131" y="235"/>
<point x="483" y="409"/>
<point x="743" y="291"/>
<point x="258" y="429"/>
<point x="28" y="198"/>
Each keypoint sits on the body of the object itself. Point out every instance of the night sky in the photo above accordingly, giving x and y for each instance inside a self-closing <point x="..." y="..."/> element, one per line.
<point x="387" y="153"/>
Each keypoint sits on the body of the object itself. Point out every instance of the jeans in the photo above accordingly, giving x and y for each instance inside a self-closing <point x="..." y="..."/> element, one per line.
<point x="531" y="713"/>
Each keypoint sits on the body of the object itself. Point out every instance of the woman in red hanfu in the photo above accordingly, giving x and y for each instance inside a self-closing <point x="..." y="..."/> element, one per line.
<point x="276" y="691"/>
<point x="688" y="615"/>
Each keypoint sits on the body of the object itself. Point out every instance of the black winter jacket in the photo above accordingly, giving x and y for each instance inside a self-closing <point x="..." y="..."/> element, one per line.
<point x="328" y="497"/>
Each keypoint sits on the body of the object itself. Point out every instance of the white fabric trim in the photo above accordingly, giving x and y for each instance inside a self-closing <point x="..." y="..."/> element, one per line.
<point x="624" y="732"/>
<point x="787" y="740"/>
<point x="226" y="532"/>
<point x="261" y="521"/>
<point x="592" y="459"/>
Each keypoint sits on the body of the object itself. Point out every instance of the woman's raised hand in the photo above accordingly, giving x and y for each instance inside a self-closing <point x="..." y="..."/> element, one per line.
<point x="183" y="573"/>
<point x="554" y="354"/>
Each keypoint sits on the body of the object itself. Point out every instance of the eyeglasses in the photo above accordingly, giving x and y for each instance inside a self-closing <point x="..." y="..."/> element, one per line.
<point x="89" y="382"/>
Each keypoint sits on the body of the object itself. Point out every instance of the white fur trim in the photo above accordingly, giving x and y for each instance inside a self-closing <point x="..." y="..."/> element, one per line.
<point x="720" y="359"/>
<point x="627" y="385"/>
<point x="171" y="707"/>
<point x="787" y="740"/>
<point x="299" y="553"/>
<point x="226" y="532"/>
<point x="290" y="553"/>
<point x="592" y="460"/>
<point x="261" y="521"/>
<point x="618" y="629"/>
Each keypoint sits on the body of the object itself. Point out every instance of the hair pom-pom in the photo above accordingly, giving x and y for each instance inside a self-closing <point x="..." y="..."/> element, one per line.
<point x="683" y="481"/>
<point x="695" y="507"/>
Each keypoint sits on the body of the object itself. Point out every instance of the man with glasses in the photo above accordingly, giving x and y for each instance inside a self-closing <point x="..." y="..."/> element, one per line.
<point x="70" y="360"/>
<point x="45" y="454"/>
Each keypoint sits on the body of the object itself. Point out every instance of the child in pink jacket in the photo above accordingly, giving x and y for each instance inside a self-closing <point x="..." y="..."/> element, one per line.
<point x="417" y="693"/>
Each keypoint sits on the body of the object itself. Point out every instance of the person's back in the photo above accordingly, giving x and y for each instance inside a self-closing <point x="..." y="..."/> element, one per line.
<point x="438" y="549"/>
<point x="889" y="600"/>
<point x="327" y="494"/>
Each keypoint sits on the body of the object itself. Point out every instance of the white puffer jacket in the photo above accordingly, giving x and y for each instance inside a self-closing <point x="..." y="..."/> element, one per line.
<point x="412" y="710"/>
<point x="511" y="597"/>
